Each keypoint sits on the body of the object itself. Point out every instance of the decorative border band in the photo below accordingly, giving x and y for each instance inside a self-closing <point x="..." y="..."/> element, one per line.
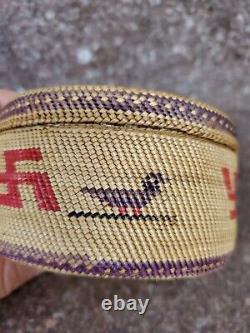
<point x="81" y="264"/>
<point x="97" y="99"/>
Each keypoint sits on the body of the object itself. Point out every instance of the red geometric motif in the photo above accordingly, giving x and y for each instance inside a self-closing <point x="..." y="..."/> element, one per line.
<point x="40" y="182"/>
<point x="230" y="187"/>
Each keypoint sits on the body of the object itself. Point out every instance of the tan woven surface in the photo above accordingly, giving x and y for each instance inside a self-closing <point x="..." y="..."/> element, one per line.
<point x="115" y="182"/>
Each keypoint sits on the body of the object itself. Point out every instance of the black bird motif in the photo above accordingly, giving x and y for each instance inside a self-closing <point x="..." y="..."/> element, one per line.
<point x="130" y="198"/>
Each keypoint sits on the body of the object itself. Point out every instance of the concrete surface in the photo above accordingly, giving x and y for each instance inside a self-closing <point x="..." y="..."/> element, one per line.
<point x="194" y="47"/>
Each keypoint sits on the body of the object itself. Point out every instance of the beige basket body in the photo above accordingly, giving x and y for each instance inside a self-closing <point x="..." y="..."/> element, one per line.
<point x="96" y="190"/>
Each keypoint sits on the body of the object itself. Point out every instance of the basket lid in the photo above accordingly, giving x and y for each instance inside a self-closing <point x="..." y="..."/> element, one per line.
<point x="118" y="106"/>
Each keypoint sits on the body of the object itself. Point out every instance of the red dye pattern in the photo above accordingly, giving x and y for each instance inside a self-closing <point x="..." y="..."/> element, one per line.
<point x="43" y="191"/>
<point x="230" y="186"/>
<point x="123" y="211"/>
<point x="137" y="211"/>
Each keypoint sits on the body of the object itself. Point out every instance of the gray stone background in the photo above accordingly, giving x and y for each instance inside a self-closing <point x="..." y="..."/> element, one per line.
<point x="193" y="47"/>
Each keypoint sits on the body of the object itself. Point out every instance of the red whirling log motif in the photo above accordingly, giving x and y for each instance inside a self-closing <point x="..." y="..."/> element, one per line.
<point x="230" y="186"/>
<point x="40" y="182"/>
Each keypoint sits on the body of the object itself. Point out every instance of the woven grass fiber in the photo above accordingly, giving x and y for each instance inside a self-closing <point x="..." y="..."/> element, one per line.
<point x="117" y="182"/>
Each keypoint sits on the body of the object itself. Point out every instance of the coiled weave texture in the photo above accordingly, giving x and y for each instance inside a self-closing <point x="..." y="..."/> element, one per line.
<point x="115" y="182"/>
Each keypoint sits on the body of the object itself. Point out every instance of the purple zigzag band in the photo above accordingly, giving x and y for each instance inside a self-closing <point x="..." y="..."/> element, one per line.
<point x="82" y="265"/>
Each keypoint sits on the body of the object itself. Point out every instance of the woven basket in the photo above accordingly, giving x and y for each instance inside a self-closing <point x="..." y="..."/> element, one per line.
<point x="115" y="182"/>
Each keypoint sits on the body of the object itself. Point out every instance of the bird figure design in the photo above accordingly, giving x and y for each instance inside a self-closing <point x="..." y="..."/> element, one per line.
<point x="130" y="198"/>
